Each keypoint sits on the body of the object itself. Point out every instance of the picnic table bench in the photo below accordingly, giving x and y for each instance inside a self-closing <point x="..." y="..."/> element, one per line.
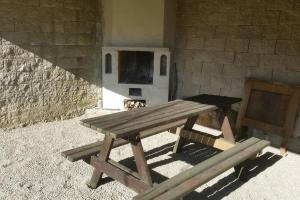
<point x="129" y="127"/>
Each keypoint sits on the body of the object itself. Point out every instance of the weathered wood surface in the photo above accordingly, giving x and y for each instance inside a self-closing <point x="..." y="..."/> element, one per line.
<point x="220" y="101"/>
<point x="120" y="125"/>
<point x="271" y="107"/>
<point x="120" y="118"/>
<point x="206" y="139"/>
<point x="181" y="140"/>
<point x="185" y="182"/>
<point x="117" y="172"/>
<point x="103" y="156"/>
<point x="211" y="131"/>
<point x="227" y="130"/>
<point x="86" y="151"/>
<point x="140" y="160"/>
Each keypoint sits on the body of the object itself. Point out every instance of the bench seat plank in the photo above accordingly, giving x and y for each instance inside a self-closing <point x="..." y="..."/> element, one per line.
<point x="191" y="184"/>
<point x="185" y="182"/>
<point x="87" y="151"/>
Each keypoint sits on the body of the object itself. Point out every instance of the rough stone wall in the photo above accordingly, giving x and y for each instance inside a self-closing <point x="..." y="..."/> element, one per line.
<point x="219" y="43"/>
<point x="48" y="64"/>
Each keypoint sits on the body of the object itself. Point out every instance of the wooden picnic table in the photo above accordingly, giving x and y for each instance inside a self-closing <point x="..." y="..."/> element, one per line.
<point x="129" y="126"/>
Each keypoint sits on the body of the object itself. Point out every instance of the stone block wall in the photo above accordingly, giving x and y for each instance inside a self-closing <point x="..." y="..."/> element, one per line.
<point x="49" y="68"/>
<point x="219" y="43"/>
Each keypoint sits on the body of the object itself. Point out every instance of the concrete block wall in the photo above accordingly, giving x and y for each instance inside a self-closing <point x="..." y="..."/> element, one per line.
<point x="219" y="43"/>
<point x="49" y="68"/>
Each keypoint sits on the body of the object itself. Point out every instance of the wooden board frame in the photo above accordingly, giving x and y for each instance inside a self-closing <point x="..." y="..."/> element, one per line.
<point x="287" y="128"/>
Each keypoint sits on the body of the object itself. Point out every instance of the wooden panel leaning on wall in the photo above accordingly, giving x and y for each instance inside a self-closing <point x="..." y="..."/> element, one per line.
<point x="271" y="107"/>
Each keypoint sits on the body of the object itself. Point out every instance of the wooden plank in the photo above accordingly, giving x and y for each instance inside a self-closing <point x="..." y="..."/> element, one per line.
<point x="220" y="101"/>
<point x="140" y="160"/>
<point x="124" y="115"/>
<point x="176" y="180"/>
<point x="120" y="175"/>
<point x="271" y="86"/>
<point x="161" y="114"/>
<point x="124" y="168"/>
<point x="134" y="116"/>
<point x="271" y="107"/>
<point x="227" y="131"/>
<point x="81" y="148"/>
<point x="210" y="131"/>
<point x="202" y="177"/>
<point x="93" y="151"/>
<point x="267" y="127"/>
<point x="113" y="125"/>
<point x="201" y="138"/>
<point x="181" y="140"/>
<point x="166" y="118"/>
<point x="243" y="108"/>
<point x="104" y="155"/>
<point x="89" y="150"/>
<point x="128" y="113"/>
<point x="161" y="121"/>
<point x="290" y="120"/>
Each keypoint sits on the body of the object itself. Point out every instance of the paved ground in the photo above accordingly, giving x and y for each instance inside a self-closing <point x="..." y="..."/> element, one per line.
<point x="31" y="167"/>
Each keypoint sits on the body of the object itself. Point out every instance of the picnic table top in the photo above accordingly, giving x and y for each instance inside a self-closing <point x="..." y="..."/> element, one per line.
<point x="128" y="123"/>
<point x="220" y="101"/>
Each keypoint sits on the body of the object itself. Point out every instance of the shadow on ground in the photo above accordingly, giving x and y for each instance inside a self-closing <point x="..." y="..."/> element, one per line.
<point x="197" y="153"/>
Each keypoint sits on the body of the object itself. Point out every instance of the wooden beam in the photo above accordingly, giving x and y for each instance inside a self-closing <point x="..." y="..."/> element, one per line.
<point x="103" y="156"/>
<point x="124" y="168"/>
<point x="126" y="178"/>
<point x="208" y="130"/>
<point x="227" y="130"/>
<point x="181" y="140"/>
<point x="202" y="138"/>
<point x="140" y="160"/>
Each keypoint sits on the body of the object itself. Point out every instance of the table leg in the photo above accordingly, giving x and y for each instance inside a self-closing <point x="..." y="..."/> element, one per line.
<point x="103" y="155"/>
<point x="140" y="160"/>
<point x="283" y="150"/>
<point x="181" y="141"/>
<point x="227" y="130"/>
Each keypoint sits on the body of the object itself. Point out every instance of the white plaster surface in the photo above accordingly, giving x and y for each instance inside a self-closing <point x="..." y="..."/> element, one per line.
<point x="139" y="22"/>
<point x="114" y="93"/>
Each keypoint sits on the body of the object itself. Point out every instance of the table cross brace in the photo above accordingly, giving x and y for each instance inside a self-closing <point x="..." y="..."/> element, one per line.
<point x="139" y="182"/>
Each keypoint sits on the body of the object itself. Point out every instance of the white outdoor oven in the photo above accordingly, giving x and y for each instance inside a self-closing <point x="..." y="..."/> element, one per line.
<point x="138" y="36"/>
<point x="136" y="73"/>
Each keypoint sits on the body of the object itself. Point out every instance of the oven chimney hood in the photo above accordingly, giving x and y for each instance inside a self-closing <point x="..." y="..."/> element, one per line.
<point x="139" y="23"/>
